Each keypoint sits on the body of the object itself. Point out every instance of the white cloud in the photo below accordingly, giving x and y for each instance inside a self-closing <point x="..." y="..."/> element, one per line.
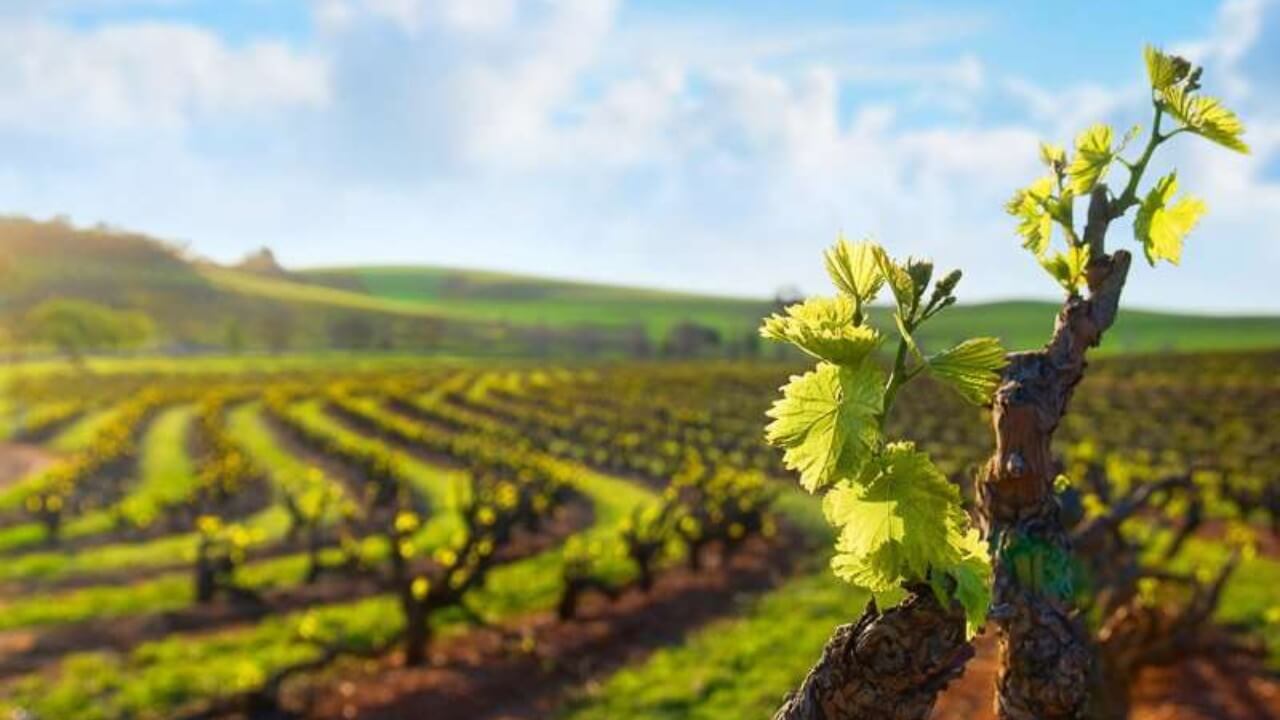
<point x="144" y="75"/>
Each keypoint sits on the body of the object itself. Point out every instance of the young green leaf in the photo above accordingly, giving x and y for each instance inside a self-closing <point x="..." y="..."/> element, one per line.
<point x="899" y="280"/>
<point x="901" y="521"/>
<point x="824" y="328"/>
<point x="853" y="269"/>
<point x="899" y="512"/>
<point x="1093" y="157"/>
<point x="971" y="368"/>
<point x="1164" y="70"/>
<point x="1205" y="116"/>
<point x="1068" y="268"/>
<point x="826" y="421"/>
<point x="1035" y="224"/>
<point x="1160" y="226"/>
<point x="972" y="577"/>
<point x="876" y="573"/>
<point x="1053" y="156"/>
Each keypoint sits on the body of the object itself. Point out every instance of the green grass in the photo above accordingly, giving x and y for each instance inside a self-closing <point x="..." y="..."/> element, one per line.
<point x="736" y="668"/>
<point x="169" y="592"/>
<point x="290" y="291"/>
<point x="79" y="433"/>
<point x="248" y="429"/>
<point x="523" y="300"/>
<point x="166" y="471"/>
<point x="21" y="535"/>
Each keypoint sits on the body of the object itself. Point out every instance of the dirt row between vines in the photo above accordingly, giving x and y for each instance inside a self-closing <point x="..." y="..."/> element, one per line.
<point x="20" y="459"/>
<point x="1195" y="689"/>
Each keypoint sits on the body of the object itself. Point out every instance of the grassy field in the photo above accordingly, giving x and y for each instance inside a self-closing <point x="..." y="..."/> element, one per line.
<point x="524" y="300"/>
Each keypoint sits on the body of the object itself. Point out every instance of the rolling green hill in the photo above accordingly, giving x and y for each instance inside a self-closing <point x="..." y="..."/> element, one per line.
<point x="201" y="306"/>
<point x="1021" y="324"/>
<point x="1025" y="324"/>
<point x="527" y="300"/>
<point x="195" y="306"/>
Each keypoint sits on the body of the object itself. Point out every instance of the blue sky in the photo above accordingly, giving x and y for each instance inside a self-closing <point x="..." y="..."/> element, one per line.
<point x="714" y="145"/>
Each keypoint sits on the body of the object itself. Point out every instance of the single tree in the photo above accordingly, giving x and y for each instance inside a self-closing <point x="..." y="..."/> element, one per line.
<point x="75" y="327"/>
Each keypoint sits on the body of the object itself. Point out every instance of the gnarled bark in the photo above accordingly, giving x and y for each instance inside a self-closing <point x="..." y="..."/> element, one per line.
<point x="887" y="666"/>
<point x="1045" y="651"/>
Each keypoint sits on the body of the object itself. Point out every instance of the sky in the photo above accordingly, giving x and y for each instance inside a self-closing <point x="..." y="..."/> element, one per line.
<point x="716" y="145"/>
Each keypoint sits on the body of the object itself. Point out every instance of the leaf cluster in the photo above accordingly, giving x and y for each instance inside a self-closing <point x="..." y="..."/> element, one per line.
<point x="900" y="522"/>
<point x="1045" y="209"/>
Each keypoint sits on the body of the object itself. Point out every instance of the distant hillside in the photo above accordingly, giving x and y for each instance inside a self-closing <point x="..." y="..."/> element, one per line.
<point x="258" y="305"/>
<point x="528" y="300"/>
<point x="1026" y="324"/>
<point x="191" y="309"/>
<point x="1021" y="324"/>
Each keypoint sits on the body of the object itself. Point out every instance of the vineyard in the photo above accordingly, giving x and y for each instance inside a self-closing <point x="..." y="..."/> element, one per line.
<point x="611" y="541"/>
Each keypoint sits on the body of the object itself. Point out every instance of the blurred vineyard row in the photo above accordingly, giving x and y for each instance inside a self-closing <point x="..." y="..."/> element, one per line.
<point x="246" y="542"/>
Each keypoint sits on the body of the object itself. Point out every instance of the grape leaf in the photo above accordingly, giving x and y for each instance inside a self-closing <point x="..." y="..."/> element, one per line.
<point x="1093" y="157"/>
<point x="971" y="368"/>
<point x="899" y="281"/>
<point x="1053" y="156"/>
<point x="1164" y="70"/>
<point x="1205" y="116"/>
<point x="1030" y="206"/>
<point x="876" y="573"/>
<point x="896" y="518"/>
<point x="853" y="269"/>
<point x="1161" y="227"/>
<point x="1068" y="268"/>
<point x="824" y="328"/>
<point x="826" y="421"/>
<point x="972" y="577"/>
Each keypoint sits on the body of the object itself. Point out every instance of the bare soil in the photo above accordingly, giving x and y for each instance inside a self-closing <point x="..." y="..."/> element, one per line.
<point x="1195" y="689"/>
<point x="17" y="460"/>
